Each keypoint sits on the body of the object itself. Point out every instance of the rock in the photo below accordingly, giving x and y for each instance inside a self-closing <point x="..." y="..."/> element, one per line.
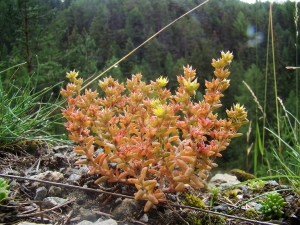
<point x="48" y="176"/>
<point x="144" y="218"/>
<point x="59" y="161"/>
<point x="272" y="183"/>
<point x="61" y="148"/>
<point x="284" y="186"/>
<point x="127" y="208"/>
<point x="257" y="206"/>
<point x="228" y="184"/>
<point x="41" y="193"/>
<point x="106" y="222"/>
<point x="73" y="178"/>
<point x="28" y="223"/>
<point x="55" y="191"/>
<point x="240" y="197"/>
<point x="173" y="198"/>
<point x="85" y="222"/>
<point x="245" y="189"/>
<point x="289" y="198"/>
<point x="59" y="155"/>
<point x="54" y="201"/>
<point x="87" y="214"/>
<point x="98" y="151"/>
<point x="100" y="221"/>
<point x="219" y="179"/>
<point x="14" y="185"/>
<point x="118" y="200"/>
<point x="78" y="171"/>
<point x="220" y="208"/>
<point x="294" y="220"/>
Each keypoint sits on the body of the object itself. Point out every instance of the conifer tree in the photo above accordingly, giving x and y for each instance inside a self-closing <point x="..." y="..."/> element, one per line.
<point x="135" y="26"/>
<point x="128" y="64"/>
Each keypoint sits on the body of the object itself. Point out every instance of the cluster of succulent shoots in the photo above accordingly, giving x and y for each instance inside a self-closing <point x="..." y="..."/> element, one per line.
<point x="158" y="141"/>
<point x="3" y="189"/>
<point x="272" y="205"/>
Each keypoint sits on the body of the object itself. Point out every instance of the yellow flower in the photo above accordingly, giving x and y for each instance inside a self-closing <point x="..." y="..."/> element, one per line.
<point x="162" y="81"/>
<point x="227" y="57"/>
<point x="191" y="87"/>
<point x="220" y="63"/>
<point x="159" y="111"/>
<point x="239" y="108"/>
<point x="154" y="103"/>
<point x="72" y="75"/>
<point x="238" y="112"/>
<point x="78" y="82"/>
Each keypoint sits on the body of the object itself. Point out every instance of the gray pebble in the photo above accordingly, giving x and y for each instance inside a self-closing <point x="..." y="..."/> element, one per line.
<point x="40" y="193"/>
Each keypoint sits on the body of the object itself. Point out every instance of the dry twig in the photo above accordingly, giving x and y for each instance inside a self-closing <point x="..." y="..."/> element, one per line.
<point x="47" y="210"/>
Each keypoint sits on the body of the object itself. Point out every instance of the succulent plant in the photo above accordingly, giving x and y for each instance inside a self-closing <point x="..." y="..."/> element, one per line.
<point x="256" y="185"/>
<point x="271" y="206"/>
<point x="161" y="142"/>
<point x="3" y="189"/>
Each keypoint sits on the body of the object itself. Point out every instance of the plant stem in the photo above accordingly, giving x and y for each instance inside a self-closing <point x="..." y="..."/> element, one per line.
<point x="275" y="81"/>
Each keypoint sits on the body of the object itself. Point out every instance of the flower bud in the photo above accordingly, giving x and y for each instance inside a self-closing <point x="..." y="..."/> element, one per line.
<point x="162" y="81"/>
<point x="220" y="63"/>
<point x="159" y="111"/>
<point x="72" y="75"/>
<point x="227" y="57"/>
<point x="190" y="87"/>
<point x="155" y="102"/>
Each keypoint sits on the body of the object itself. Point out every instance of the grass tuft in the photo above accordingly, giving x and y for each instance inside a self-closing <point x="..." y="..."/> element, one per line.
<point x="23" y="113"/>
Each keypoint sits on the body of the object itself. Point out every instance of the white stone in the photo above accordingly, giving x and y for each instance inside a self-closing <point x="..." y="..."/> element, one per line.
<point x="144" y="218"/>
<point x="223" y="178"/>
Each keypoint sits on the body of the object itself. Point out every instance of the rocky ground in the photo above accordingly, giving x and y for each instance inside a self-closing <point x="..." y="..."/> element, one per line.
<point x="58" y="200"/>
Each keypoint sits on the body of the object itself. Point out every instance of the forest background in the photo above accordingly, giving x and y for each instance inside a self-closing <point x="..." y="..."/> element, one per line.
<point x="54" y="37"/>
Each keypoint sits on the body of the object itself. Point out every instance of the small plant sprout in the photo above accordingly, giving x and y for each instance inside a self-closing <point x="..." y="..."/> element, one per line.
<point x="256" y="185"/>
<point x="215" y="192"/>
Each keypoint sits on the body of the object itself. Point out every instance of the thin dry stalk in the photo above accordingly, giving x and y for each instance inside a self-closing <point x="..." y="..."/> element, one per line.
<point x="249" y="132"/>
<point x="47" y="210"/>
<point x="281" y="103"/>
<point x="255" y="99"/>
<point x="248" y="153"/>
<point x="250" y="147"/>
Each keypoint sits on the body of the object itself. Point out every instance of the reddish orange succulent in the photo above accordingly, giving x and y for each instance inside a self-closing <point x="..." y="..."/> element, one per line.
<point x="159" y="141"/>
